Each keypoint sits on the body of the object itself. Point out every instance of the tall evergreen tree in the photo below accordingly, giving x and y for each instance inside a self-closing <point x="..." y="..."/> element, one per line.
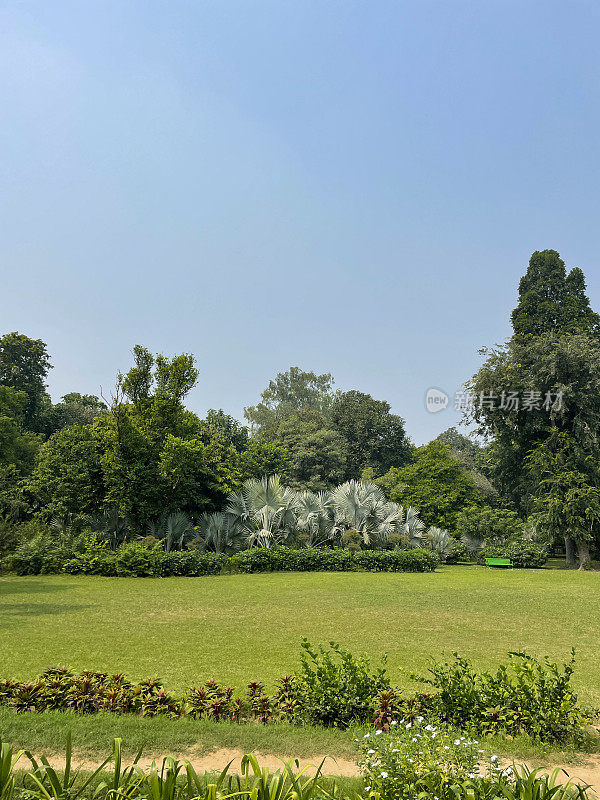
<point x="554" y="353"/>
<point x="552" y="301"/>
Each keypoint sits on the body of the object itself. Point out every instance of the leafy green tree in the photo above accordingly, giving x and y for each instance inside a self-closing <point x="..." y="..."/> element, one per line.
<point x="495" y="526"/>
<point x="197" y="473"/>
<point x="262" y="458"/>
<point x="289" y="392"/>
<point x="568" y="499"/>
<point x="75" y="409"/>
<point x="24" y="365"/>
<point x="218" y="423"/>
<point x="373" y="437"/>
<point x="144" y="457"/>
<point x="157" y="457"/>
<point x="474" y="460"/>
<point x="552" y="301"/>
<point x="68" y="477"/>
<point x="18" y="450"/>
<point x="18" y="447"/>
<point x="434" y="483"/>
<point x="317" y="452"/>
<point x="552" y="365"/>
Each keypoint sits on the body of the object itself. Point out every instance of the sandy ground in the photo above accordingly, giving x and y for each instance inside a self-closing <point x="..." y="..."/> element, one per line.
<point x="216" y="761"/>
<point x="588" y="772"/>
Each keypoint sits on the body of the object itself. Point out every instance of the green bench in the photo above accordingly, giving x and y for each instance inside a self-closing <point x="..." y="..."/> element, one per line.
<point x="498" y="562"/>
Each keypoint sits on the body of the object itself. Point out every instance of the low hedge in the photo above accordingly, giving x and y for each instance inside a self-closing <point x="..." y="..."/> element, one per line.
<point x="134" y="560"/>
<point x="285" y="559"/>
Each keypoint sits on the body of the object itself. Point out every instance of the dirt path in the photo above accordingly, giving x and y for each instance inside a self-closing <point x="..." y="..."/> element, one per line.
<point x="588" y="772"/>
<point x="216" y="761"/>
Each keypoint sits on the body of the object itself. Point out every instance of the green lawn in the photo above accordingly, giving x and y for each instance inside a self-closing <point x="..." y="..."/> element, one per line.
<point x="247" y="627"/>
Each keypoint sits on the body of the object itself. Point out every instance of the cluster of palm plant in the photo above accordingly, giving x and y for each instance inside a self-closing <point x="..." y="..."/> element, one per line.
<point x="219" y="532"/>
<point x="363" y="507"/>
<point x="441" y="542"/>
<point x="174" y="530"/>
<point x="266" y="513"/>
<point x="265" y="510"/>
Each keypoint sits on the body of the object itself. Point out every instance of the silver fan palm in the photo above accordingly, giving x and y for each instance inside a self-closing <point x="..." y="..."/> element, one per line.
<point x="266" y="511"/>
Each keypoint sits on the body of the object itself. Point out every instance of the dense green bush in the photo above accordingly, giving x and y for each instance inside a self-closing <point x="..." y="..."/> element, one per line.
<point x="333" y="560"/>
<point x="334" y="688"/>
<point x="191" y="563"/>
<point x="458" y="554"/>
<point x="416" y="560"/>
<point x="522" y="553"/>
<point x="41" y="555"/>
<point x="525" y="696"/>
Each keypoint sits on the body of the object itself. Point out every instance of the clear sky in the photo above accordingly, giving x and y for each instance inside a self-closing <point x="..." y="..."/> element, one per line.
<point x="350" y="187"/>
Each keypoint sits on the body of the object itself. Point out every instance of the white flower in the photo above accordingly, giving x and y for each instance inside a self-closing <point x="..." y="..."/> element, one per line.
<point x="446" y="747"/>
<point x="394" y="722"/>
<point x="473" y="775"/>
<point x="395" y="750"/>
<point x="367" y="788"/>
<point x="366" y="736"/>
<point x="420" y="719"/>
<point x="370" y="752"/>
<point x="457" y="741"/>
<point x="409" y="726"/>
<point x="494" y="758"/>
<point x="378" y="732"/>
<point x="414" y="739"/>
<point x="384" y="774"/>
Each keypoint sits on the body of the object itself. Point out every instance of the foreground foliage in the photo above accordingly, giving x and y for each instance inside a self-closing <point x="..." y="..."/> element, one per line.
<point x="416" y="759"/>
<point x="524" y="696"/>
<point x="333" y="688"/>
<point x="414" y="762"/>
<point x="171" y="779"/>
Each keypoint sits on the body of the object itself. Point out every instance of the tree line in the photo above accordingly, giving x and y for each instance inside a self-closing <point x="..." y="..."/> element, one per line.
<point x="142" y="453"/>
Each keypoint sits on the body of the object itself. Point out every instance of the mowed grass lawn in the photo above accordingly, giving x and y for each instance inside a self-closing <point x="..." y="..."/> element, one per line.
<point x="240" y="628"/>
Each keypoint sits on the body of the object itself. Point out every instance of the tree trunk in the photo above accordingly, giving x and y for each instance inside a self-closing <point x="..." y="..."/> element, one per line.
<point x="570" y="552"/>
<point x="583" y="554"/>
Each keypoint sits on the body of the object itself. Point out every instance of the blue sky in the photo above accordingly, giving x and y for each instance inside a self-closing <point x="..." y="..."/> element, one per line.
<point x="352" y="187"/>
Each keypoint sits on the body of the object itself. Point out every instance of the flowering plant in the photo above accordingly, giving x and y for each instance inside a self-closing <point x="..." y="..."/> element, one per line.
<point x="415" y="759"/>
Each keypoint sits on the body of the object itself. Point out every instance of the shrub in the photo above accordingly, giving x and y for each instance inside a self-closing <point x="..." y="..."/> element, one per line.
<point x="191" y="563"/>
<point x="526" y="696"/>
<point x="416" y="560"/>
<point x="40" y="555"/>
<point x="522" y="553"/>
<point x="335" y="688"/>
<point x="459" y="553"/>
<point x="133" y="560"/>
<point x="95" y="559"/>
<point x="416" y="760"/>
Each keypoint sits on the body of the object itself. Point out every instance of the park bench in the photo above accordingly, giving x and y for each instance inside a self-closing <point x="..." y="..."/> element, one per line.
<point x="498" y="562"/>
